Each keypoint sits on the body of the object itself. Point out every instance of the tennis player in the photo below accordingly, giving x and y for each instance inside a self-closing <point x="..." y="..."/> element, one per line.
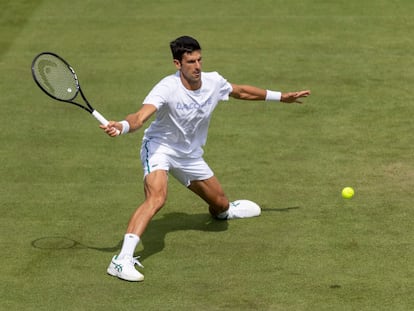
<point x="183" y="103"/>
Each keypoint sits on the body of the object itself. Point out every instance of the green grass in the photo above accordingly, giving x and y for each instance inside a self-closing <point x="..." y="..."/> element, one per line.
<point x="67" y="191"/>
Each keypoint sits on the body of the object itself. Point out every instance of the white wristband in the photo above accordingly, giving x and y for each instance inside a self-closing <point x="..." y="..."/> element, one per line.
<point x="273" y="96"/>
<point x="125" y="127"/>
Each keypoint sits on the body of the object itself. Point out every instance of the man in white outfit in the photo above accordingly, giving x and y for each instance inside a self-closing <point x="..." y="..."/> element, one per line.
<point x="183" y="103"/>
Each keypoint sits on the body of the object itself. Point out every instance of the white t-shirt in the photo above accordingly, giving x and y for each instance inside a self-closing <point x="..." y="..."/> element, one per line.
<point x="183" y="116"/>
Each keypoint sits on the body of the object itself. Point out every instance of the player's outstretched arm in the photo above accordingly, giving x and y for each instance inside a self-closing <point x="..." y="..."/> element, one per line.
<point x="248" y="92"/>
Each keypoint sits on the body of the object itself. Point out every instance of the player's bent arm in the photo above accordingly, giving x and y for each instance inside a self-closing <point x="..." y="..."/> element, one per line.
<point x="136" y="120"/>
<point x="131" y="123"/>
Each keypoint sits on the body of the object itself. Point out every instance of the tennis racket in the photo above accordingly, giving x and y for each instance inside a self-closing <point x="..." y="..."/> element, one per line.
<point x="57" y="79"/>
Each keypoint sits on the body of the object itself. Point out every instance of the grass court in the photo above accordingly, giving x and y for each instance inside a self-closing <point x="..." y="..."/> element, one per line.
<point x="67" y="190"/>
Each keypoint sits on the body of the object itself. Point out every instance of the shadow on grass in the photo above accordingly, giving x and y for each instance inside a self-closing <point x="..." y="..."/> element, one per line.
<point x="153" y="239"/>
<point x="285" y="209"/>
<point x="62" y="242"/>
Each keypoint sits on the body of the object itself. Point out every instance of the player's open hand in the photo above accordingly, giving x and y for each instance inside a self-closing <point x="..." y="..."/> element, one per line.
<point x="294" y="97"/>
<point x="112" y="128"/>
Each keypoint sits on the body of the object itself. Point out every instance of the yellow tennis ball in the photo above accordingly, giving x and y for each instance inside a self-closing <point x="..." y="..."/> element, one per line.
<point x="347" y="192"/>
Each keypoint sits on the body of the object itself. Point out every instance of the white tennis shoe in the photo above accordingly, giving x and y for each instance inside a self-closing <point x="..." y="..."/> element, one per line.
<point x="241" y="209"/>
<point x="125" y="268"/>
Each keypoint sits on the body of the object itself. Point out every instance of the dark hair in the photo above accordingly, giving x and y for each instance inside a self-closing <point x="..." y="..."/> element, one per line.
<point x="182" y="45"/>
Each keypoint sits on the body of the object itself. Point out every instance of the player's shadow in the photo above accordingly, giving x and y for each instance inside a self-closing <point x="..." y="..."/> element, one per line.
<point x="153" y="239"/>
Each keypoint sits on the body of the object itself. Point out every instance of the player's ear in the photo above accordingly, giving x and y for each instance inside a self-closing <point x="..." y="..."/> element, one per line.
<point x="177" y="64"/>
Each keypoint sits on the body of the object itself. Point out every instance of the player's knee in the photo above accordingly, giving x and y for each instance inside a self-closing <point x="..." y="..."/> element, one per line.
<point x="156" y="202"/>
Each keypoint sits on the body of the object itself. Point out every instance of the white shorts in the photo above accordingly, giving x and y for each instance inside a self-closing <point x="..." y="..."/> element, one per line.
<point x="185" y="170"/>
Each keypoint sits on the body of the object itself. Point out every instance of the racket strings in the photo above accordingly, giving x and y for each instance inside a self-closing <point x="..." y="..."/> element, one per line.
<point x="55" y="77"/>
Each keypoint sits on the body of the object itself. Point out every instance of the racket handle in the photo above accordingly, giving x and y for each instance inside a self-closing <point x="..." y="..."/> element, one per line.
<point x="102" y="119"/>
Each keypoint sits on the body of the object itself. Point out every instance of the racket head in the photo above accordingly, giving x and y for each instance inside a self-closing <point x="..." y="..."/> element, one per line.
<point x="55" y="76"/>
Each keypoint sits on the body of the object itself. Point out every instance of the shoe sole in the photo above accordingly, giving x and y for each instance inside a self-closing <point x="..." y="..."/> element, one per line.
<point x="115" y="273"/>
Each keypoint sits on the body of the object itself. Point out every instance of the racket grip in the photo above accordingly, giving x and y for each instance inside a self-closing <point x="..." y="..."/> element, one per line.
<point x="102" y="119"/>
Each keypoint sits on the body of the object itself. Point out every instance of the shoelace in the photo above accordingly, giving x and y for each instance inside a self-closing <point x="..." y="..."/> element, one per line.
<point x="135" y="261"/>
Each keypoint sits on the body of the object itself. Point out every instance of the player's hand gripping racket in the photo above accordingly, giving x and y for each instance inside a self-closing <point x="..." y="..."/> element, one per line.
<point x="58" y="80"/>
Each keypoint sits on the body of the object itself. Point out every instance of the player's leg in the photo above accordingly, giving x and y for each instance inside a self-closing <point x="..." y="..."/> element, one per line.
<point x="155" y="188"/>
<point x="122" y="265"/>
<point x="210" y="191"/>
<point x="199" y="178"/>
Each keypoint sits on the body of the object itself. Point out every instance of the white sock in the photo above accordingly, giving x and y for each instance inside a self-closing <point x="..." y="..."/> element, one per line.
<point x="128" y="247"/>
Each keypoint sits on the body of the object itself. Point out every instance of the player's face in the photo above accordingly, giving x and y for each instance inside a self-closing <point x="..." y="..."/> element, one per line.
<point x="190" y="69"/>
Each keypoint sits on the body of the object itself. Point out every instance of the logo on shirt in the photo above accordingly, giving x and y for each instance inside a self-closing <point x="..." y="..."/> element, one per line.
<point x="193" y="106"/>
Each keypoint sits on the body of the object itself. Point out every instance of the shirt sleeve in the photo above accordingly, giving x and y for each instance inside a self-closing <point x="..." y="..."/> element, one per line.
<point x="158" y="95"/>
<point x="225" y="88"/>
